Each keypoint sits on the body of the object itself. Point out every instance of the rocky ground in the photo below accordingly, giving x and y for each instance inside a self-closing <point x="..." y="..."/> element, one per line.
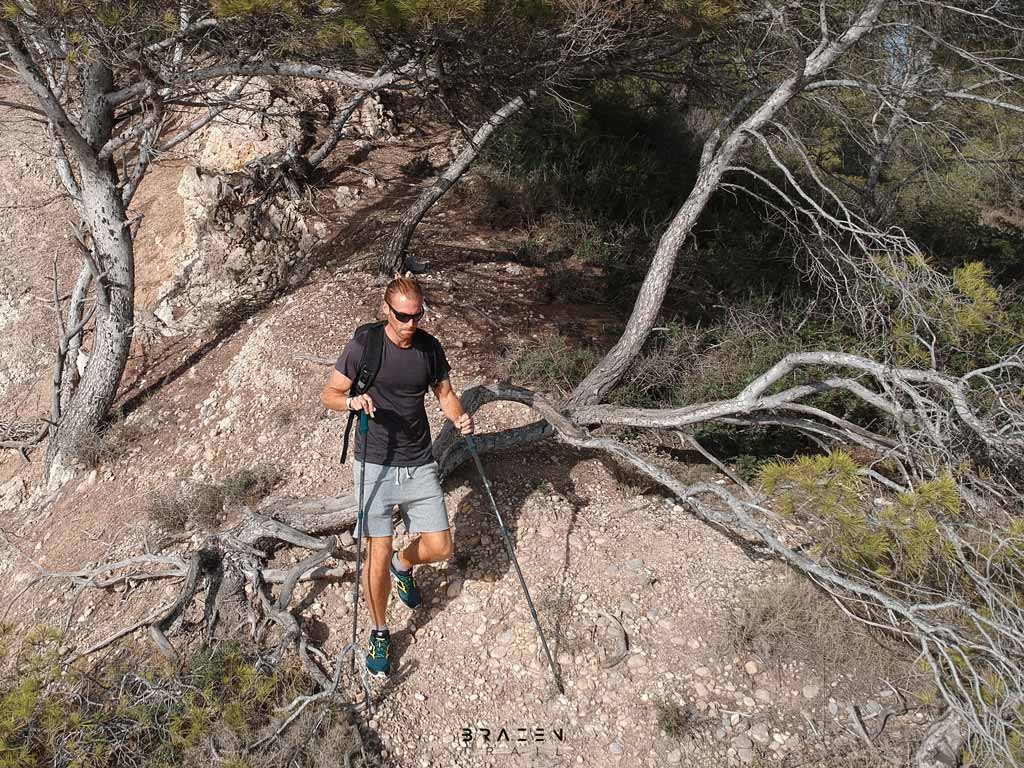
<point x="640" y="602"/>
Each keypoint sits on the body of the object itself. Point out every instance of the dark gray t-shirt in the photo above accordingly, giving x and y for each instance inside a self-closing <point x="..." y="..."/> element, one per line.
<point x="399" y="433"/>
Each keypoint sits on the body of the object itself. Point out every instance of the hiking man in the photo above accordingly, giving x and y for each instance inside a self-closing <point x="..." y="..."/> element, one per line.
<point x="400" y="468"/>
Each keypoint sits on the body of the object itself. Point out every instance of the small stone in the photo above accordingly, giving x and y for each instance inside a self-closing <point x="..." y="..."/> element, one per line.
<point x="759" y="733"/>
<point x="615" y="748"/>
<point x="546" y="532"/>
<point x="628" y="607"/>
<point x="693" y="644"/>
<point x="636" y="662"/>
<point x="420" y="697"/>
<point x="751" y="668"/>
<point x="674" y="757"/>
<point x="811" y="691"/>
<point x="742" y="742"/>
<point x="702" y="672"/>
<point x="762" y="695"/>
<point x="745" y="755"/>
<point x="701" y="690"/>
<point x="454" y="589"/>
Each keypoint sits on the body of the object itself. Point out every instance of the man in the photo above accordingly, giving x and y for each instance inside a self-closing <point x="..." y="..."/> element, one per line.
<point x="400" y="468"/>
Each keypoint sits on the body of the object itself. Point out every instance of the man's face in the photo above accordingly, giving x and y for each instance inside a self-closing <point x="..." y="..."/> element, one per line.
<point x="407" y="306"/>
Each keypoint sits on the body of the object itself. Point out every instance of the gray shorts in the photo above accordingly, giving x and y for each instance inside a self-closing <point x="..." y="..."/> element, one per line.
<point x="415" y="490"/>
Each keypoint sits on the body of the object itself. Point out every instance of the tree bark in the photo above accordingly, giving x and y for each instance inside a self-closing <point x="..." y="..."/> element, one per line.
<point x="392" y="261"/>
<point x="115" y="289"/>
<point x="69" y="365"/>
<point x="113" y="263"/>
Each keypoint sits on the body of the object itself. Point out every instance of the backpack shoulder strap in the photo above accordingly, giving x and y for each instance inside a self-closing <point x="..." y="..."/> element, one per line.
<point x="373" y="354"/>
<point x="369" y="367"/>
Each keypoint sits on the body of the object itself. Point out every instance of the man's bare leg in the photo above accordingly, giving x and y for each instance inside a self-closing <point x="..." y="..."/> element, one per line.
<point x="432" y="547"/>
<point x="377" y="578"/>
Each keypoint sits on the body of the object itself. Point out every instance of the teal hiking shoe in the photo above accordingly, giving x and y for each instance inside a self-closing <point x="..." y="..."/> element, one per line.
<point x="407" y="589"/>
<point x="378" y="655"/>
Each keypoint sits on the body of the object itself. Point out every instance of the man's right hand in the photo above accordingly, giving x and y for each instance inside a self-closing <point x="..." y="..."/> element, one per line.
<point x="362" y="403"/>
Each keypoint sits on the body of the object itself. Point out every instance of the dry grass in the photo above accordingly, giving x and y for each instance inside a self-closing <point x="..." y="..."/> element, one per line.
<point x="203" y="504"/>
<point x="677" y="721"/>
<point x="249" y="486"/>
<point x="200" y="505"/>
<point x="206" y="504"/>
<point x="791" y="620"/>
<point x="168" y="510"/>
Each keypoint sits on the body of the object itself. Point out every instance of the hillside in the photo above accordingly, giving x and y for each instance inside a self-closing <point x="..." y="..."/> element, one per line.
<point x="728" y="659"/>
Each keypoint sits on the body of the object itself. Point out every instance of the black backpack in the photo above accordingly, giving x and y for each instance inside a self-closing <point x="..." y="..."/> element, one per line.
<point x="369" y="365"/>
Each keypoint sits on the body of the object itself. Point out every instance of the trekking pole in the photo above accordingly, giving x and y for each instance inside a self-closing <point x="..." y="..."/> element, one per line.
<point x="364" y="427"/>
<point x="512" y="557"/>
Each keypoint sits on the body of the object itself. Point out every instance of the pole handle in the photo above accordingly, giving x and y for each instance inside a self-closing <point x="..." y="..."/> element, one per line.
<point x="364" y="422"/>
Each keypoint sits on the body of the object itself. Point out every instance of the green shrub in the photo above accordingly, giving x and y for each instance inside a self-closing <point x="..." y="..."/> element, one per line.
<point x="551" y="364"/>
<point x="132" y="712"/>
<point x="902" y="540"/>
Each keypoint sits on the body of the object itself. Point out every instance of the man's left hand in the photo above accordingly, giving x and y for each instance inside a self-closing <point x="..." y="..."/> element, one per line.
<point x="465" y="424"/>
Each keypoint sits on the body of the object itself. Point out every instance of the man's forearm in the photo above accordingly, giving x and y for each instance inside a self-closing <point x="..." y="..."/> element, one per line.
<point x="335" y="399"/>
<point x="451" y="406"/>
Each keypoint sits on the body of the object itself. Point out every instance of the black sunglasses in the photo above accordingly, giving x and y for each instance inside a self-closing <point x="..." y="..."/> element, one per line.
<point x="404" y="317"/>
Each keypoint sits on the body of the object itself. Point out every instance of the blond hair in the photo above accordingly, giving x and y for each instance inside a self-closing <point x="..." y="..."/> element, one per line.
<point x="405" y="286"/>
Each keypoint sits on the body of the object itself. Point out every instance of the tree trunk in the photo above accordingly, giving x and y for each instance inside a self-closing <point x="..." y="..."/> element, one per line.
<point x="392" y="261"/>
<point x="114" y="256"/>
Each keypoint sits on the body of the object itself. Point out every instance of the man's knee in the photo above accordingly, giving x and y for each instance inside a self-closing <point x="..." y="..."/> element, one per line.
<point x="439" y="546"/>
<point x="379" y="550"/>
